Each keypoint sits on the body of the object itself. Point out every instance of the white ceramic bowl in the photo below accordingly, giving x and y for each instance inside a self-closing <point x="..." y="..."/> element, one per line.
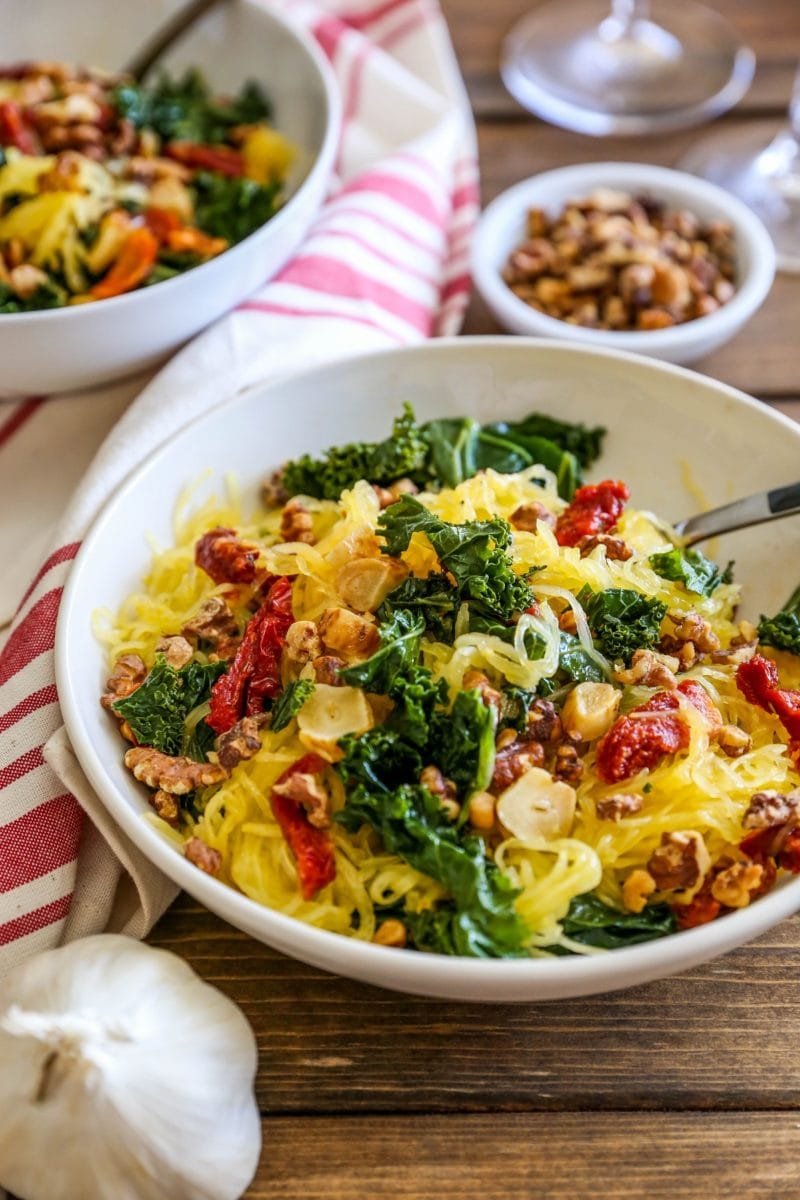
<point x="61" y="349"/>
<point x="502" y="228"/>
<point x="662" y="421"/>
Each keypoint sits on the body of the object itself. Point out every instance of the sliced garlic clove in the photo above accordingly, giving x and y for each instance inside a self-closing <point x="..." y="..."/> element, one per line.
<point x="537" y="806"/>
<point x="590" y="710"/>
<point x="364" y="583"/>
<point x="328" y="714"/>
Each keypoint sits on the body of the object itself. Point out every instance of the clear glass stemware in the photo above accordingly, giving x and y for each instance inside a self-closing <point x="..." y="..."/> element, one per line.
<point x="762" y="170"/>
<point x="648" y="65"/>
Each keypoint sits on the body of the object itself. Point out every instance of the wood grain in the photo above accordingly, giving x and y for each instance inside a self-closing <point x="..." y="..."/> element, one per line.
<point x="716" y="1037"/>
<point x="616" y="1156"/>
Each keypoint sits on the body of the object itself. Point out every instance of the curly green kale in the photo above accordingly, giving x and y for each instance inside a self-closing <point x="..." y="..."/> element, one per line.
<point x="289" y="703"/>
<point x="783" y="630"/>
<point x="434" y="598"/>
<point x="401" y="638"/>
<point x="594" y="923"/>
<point x="232" y="208"/>
<point x="402" y="454"/>
<point x="157" y="710"/>
<point x="622" y="620"/>
<point x="186" y="109"/>
<point x="691" y="568"/>
<point x="474" y="553"/>
<point x="464" y="742"/>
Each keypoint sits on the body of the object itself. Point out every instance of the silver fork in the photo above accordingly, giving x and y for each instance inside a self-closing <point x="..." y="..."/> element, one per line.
<point x="752" y="510"/>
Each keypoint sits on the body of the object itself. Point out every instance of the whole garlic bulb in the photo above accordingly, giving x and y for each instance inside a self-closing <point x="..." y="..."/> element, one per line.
<point x="123" y="1077"/>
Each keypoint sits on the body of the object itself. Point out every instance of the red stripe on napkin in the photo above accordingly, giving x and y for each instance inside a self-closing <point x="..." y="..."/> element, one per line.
<point x="33" y="636"/>
<point x="48" y="914"/>
<point x="42" y="840"/>
<point x="29" y="705"/>
<point x="62" y="555"/>
<point x="19" y="417"/>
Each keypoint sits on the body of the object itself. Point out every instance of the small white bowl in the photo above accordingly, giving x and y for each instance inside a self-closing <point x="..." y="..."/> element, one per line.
<point x="61" y="349"/>
<point x="502" y="229"/>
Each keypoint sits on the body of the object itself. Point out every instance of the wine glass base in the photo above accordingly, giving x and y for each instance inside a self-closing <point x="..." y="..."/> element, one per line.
<point x="681" y="66"/>
<point x="750" y="164"/>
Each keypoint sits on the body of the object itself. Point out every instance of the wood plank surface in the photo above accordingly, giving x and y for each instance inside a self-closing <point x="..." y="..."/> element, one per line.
<point x="715" y="1037"/>
<point x="609" y="1156"/>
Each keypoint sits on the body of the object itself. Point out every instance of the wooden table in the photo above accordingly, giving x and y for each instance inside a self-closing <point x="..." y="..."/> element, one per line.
<point x="682" y="1089"/>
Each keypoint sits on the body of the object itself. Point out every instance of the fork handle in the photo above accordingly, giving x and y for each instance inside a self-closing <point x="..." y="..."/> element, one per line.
<point x="752" y="510"/>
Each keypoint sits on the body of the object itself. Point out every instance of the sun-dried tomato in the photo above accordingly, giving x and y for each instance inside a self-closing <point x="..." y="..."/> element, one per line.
<point x="162" y="222"/>
<point x="312" y="848"/>
<point x="222" y="556"/>
<point x="254" y="674"/>
<point x="695" y="693"/>
<point x="634" y="743"/>
<point x="206" y="158"/>
<point x="595" y="508"/>
<point x="757" y="680"/>
<point x="699" y="911"/>
<point x="789" y="856"/>
<point x="14" y="130"/>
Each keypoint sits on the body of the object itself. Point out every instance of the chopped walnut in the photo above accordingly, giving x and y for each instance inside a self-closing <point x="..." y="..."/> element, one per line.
<point x="328" y="668"/>
<point x="273" y="492"/>
<point x="176" y="650"/>
<point x="213" y="622"/>
<point x="567" y="621"/>
<point x="680" y="861"/>
<point x="733" y="742"/>
<point x="303" y="643"/>
<point x="734" y="887"/>
<point x="310" y="792"/>
<point x="528" y="516"/>
<point x="167" y="807"/>
<point x="691" y="627"/>
<point x="544" y="723"/>
<point x="438" y="784"/>
<point x="476" y="679"/>
<point x="742" y="646"/>
<point x="128" y="674"/>
<point x="26" y="279"/>
<point x="637" y="889"/>
<point x="296" y="523"/>
<point x="513" y="761"/>
<point x="615" y="548"/>
<point x="389" y="495"/>
<point x="241" y="741"/>
<point x="348" y="634"/>
<point x="618" y="806"/>
<point x="204" y="857"/>
<point x="567" y="766"/>
<point x="770" y="808"/>
<point x="650" y="669"/>
<point x="176" y="775"/>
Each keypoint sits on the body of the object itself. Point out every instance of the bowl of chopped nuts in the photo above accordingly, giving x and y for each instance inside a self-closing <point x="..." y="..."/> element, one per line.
<point x="625" y="255"/>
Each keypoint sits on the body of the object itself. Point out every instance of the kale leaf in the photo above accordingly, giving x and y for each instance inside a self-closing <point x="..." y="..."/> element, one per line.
<point x="453" y="445"/>
<point x="400" y="642"/>
<point x="446" y="930"/>
<point x="416" y="695"/>
<point x="783" y="630"/>
<point x="402" y="454"/>
<point x="691" y="568"/>
<point x="186" y="110"/>
<point x="463" y="740"/>
<point x="233" y="208"/>
<point x="433" y="598"/>
<point x="622" y="620"/>
<point x="46" y="295"/>
<point x="474" y="553"/>
<point x="157" y="710"/>
<point x="585" y="443"/>
<point x="594" y="923"/>
<point x="412" y="824"/>
<point x="575" y="664"/>
<point x="289" y="703"/>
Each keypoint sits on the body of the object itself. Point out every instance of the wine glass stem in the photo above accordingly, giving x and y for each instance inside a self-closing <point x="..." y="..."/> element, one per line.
<point x="627" y="12"/>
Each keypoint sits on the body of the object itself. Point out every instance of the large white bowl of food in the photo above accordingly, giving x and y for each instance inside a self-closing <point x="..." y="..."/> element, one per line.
<point x="134" y="214"/>
<point x="413" y="701"/>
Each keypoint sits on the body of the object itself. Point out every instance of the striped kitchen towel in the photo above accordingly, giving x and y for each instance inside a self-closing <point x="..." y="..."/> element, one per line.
<point x="385" y="264"/>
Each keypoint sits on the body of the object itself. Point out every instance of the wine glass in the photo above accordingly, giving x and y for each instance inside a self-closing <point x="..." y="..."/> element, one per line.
<point x="762" y="171"/>
<point x="648" y="66"/>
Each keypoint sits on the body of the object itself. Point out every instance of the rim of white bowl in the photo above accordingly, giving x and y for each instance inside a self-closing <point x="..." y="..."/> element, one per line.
<point x="322" y="165"/>
<point x="426" y="974"/>
<point x="506" y="209"/>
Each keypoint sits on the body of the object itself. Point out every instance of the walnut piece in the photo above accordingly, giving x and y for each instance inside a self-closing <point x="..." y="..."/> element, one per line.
<point x="128" y="674"/>
<point x="213" y="622"/>
<point x="296" y="523"/>
<point x="637" y="889"/>
<point x="303" y="643"/>
<point x="618" y="806"/>
<point x="528" y="516"/>
<point x="167" y="807"/>
<point x="734" y="887"/>
<point x="177" y="775"/>
<point x="241" y="741"/>
<point x="513" y="761"/>
<point x="176" y="650"/>
<point x="733" y="741"/>
<point x="650" y="669"/>
<point x="490" y="695"/>
<point x="389" y="495"/>
<point x="310" y="792"/>
<point x="328" y="668"/>
<point x="770" y="808"/>
<point x="680" y="861"/>
<point x="615" y="547"/>
<point x="204" y="857"/>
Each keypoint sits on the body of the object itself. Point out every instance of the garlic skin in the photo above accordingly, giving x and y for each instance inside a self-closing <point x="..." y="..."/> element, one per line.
<point x="123" y="1077"/>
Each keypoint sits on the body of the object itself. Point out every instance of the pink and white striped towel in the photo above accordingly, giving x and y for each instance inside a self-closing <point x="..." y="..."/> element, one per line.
<point x="385" y="264"/>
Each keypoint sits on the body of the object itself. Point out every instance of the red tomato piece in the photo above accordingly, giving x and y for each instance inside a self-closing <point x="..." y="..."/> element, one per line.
<point x="222" y="159"/>
<point x="131" y="267"/>
<point x="697" y="696"/>
<point x="14" y="129"/>
<point x="757" y="680"/>
<point x="312" y="848"/>
<point x="634" y="743"/>
<point x="222" y="556"/>
<point x="162" y="222"/>
<point x="595" y="508"/>
<point x="699" y="911"/>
